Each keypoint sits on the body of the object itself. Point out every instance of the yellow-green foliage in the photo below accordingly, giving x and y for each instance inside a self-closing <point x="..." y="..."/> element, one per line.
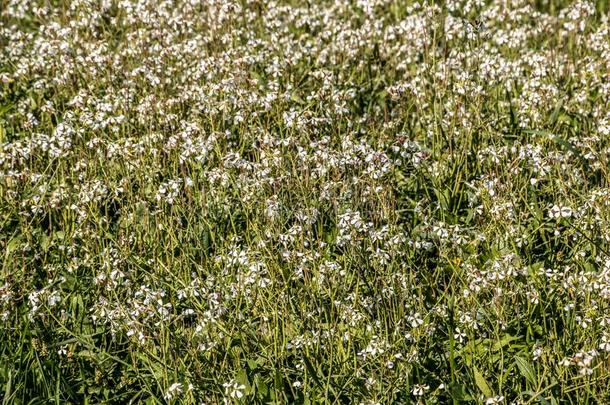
<point x="251" y="201"/>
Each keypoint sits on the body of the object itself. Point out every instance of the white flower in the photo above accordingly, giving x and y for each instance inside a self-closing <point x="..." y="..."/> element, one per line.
<point x="415" y="320"/>
<point x="53" y="299"/>
<point x="494" y="400"/>
<point x="173" y="391"/>
<point x="566" y="212"/>
<point x="560" y="212"/>
<point x="234" y="389"/>
<point x="537" y="352"/>
<point x="420" y="389"/>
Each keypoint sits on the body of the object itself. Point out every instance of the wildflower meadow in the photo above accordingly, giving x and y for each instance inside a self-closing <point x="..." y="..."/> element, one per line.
<point x="304" y="202"/>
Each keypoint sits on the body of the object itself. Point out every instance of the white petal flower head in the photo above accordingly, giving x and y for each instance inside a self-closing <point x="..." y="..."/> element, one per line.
<point x="173" y="391"/>
<point x="234" y="389"/>
<point x="420" y="389"/>
<point x="555" y="211"/>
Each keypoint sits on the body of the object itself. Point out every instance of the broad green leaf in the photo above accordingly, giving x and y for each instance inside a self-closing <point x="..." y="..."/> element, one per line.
<point x="503" y="342"/>
<point x="252" y="364"/>
<point x="526" y="369"/>
<point x="482" y="383"/>
<point x="242" y="378"/>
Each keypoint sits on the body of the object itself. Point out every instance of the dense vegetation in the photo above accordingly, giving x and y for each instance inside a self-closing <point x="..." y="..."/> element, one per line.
<point x="368" y="201"/>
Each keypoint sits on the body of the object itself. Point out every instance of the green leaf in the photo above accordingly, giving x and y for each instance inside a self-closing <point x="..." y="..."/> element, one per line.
<point x="504" y="341"/>
<point x="13" y="244"/>
<point x="458" y="392"/>
<point x="45" y="243"/>
<point x="526" y="370"/>
<point x="482" y="383"/>
<point x="312" y="372"/>
<point x="262" y="388"/>
<point x="5" y="108"/>
<point x="297" y="99"/>
<point x="278" y="382"/>
<point x="252" y="364"/>
<point x="556" y="112"/>
<point x="242" y="378"/>
<point x="7" y="387"/>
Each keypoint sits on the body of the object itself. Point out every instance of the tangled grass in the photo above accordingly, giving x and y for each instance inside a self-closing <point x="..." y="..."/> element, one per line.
<point x="242" y="201"/>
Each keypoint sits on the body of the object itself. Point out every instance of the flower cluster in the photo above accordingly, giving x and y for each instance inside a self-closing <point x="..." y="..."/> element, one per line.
<point x="362" y="201"/>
